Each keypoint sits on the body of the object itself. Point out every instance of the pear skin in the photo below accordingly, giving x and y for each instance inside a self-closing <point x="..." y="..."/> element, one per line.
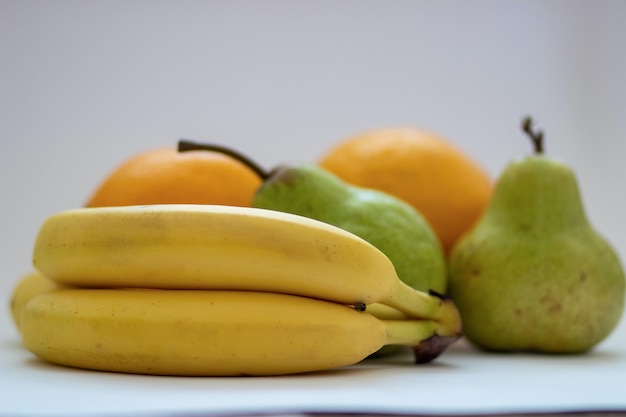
<point x="533" y="274"/>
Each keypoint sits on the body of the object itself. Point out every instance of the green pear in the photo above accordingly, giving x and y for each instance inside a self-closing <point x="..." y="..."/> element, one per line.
<point x="533" y="274"/>
<point x="388" y="223"/>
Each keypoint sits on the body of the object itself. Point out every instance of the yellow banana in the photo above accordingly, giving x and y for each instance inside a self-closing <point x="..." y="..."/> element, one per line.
<point x="211" y="333"/>
<point x="385" y="312"/>
<point x="234" y="248"/>
<point x="29" y="286"/>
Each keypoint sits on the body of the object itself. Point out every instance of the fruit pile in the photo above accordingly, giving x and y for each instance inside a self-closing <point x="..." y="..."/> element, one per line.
<point x="197" y="261"/>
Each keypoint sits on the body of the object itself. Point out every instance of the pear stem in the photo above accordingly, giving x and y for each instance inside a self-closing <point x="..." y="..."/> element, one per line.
<point x="185" y="145"/>
<point x="535" y="136"/>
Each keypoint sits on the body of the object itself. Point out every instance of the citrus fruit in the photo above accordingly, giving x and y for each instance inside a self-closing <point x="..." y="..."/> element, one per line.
<point x="166" y="176"/>
<point x="437" y="178"/>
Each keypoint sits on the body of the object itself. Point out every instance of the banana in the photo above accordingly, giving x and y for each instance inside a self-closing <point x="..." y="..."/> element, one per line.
<point x="34" y="283"/>
<point x="206" y="333"/>
<point x="234" y="248"/>
<point x="385" y="312"/>
<point x="28" y="287"/>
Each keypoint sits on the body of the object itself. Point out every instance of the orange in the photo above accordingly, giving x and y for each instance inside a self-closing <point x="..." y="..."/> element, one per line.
<point x="166" y="176"/>
<point x="426" y="170"/>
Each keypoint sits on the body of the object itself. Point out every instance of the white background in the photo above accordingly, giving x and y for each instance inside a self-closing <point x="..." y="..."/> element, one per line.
<point x="85" y="84"/>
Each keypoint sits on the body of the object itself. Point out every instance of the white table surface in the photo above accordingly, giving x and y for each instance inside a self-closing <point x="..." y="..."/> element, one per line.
<point x="460" y="382"/>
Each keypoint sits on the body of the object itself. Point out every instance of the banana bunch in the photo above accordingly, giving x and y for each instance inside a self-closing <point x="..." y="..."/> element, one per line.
<point x="217" y="290"/>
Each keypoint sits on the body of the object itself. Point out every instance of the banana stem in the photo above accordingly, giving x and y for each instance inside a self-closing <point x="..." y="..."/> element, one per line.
<point x="415" y="304"/>
<point x="422" y="306"/>
<point x="409" y="332"/>
<point x="426" y="337"/>
<point x="434" y="322"/>
<point x="384" y="312"/>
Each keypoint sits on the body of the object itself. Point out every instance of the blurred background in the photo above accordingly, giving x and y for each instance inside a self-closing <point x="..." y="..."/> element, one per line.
<point x="86" y="84"/>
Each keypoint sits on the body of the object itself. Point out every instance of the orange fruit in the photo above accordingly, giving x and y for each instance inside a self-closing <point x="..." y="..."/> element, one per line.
<point x="166" y="176"/>
<point x="426" y="170"/>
